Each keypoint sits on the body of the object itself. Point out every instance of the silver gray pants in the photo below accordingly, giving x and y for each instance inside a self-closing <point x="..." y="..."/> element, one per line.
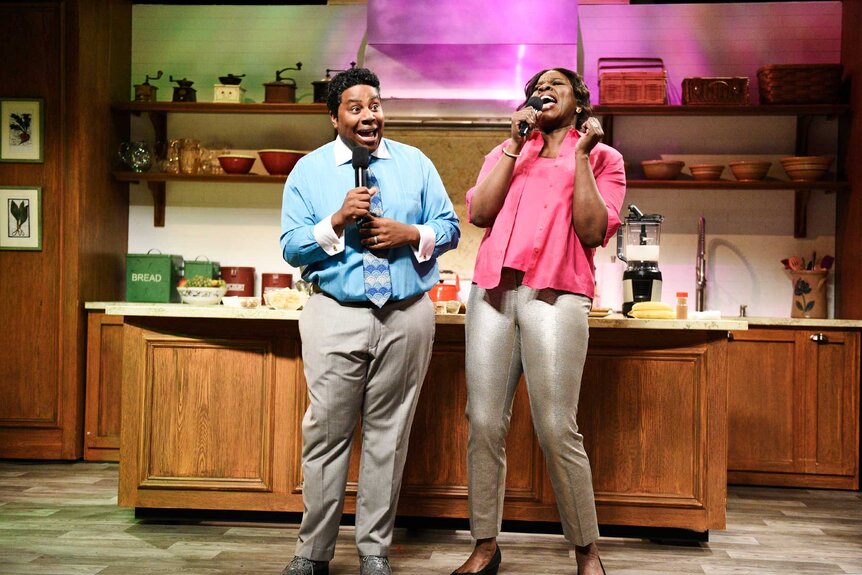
<point x="543" y="333"/>
<point x="358" y="361"/>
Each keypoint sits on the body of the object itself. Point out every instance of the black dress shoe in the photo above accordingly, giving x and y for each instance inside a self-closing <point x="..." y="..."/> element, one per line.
<point x="489" y="569"/>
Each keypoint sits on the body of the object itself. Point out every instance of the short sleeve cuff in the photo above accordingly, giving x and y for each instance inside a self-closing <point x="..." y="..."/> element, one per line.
<point x="427" y="242"/>
<point x="327" y="238"/>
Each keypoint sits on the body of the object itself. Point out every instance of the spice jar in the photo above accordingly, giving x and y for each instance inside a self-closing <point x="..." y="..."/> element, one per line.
<point x="681" y="305"/>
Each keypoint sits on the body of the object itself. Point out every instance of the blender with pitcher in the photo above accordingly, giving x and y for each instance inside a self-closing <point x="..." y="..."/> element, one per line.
<point x="638" y="246"/>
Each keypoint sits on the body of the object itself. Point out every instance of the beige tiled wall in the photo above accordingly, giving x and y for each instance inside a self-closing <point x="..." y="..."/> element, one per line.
<point x="458" y="156"/>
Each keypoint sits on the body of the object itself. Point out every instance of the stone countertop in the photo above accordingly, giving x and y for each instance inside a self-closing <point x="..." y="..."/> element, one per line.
<point x="610" y="321"/>
<point x="221" y="312"/>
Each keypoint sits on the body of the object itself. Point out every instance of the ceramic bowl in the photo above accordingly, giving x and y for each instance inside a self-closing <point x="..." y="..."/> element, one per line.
<point x="747" y="171"/>
<point x="662" y="169"/>
<point x="706" y="171"/>
<point x="806" y="168"/>
<point x="236" y="163"/>
<point x="202" y="295"/>
<point x="279" y="162"/>
<point x="240" y="301"/>
<point x="285" y="298"/>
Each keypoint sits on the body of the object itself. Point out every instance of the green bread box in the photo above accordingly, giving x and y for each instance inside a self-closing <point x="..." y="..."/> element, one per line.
<point x="202" y="267"/>
<point x="153" y="277"/>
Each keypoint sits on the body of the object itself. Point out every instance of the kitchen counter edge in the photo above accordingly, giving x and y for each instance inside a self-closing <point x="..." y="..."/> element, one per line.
<point x="180" y="310"/>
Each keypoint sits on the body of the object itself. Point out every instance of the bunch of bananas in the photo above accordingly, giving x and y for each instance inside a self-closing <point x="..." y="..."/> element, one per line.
<point x="652" y="310"/>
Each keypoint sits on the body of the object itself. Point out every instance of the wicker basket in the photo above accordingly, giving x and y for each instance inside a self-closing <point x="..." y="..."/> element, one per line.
<point x="731" y="91"/>
<point x="800" y="83"/>
<point x="632" y="81"/>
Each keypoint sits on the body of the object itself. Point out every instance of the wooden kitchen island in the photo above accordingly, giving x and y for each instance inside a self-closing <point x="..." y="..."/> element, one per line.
<point x="213" y="399"/>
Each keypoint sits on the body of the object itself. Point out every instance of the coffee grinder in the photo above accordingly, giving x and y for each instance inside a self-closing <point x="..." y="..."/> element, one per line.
<point x="638" y="246"/>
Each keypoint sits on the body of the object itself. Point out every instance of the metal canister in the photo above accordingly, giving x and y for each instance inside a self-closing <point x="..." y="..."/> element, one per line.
<point x="239" y="280"/>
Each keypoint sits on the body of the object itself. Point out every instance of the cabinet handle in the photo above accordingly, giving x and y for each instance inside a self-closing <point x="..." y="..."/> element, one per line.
<point x="819" y="338"/>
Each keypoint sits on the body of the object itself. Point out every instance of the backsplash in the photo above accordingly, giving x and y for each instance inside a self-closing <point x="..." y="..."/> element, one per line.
<point x="748" y="232"/>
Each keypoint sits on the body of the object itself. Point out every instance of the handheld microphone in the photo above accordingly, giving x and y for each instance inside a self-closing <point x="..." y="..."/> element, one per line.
<point x="361" y="159"/>
<point x="535" y="103"/>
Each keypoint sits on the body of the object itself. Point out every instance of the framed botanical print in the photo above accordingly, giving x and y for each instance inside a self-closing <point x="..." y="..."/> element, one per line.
<point x="20" y="218"/>
<point x="22" y="130"/>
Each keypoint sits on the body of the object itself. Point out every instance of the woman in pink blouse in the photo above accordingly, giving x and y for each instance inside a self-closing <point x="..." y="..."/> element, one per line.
<point x="546" y="200"/>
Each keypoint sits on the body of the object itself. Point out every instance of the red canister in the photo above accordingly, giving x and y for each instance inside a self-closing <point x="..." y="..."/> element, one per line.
<point x="274" y="281"/>
<point x="239" y="280"/>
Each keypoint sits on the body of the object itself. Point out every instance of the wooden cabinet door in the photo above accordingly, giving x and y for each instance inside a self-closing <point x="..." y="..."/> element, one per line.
<point x="830" y="363"/>
<point x="793" y="408"/>
<point x="762" y="413"/>
<point x="104" y="383"/>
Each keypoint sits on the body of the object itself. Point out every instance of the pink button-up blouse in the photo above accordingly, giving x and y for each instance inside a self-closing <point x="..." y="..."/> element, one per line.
<point x="533" y="231"/>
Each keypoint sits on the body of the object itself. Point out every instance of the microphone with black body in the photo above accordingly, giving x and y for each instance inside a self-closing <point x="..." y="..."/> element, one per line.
<point x="361" y="159"/>
<point x="535" y="103"/>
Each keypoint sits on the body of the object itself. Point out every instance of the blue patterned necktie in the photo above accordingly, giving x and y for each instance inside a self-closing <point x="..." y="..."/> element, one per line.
<point x="378" y="282"/>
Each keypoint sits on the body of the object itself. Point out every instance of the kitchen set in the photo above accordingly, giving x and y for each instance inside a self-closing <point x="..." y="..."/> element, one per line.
<point x="176" y="301"/>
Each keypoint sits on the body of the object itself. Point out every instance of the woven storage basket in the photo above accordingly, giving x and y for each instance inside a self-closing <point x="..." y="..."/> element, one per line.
<point x="800" y="83"/>
<point x="731" y="91"/>
<point x="632" y="81"/>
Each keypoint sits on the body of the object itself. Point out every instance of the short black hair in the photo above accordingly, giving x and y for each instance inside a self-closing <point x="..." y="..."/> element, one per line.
<point x="347" y="79"/>
<point x="582" y="93"/>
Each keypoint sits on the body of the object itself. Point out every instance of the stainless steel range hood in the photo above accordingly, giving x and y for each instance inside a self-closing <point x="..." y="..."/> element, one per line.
<point x="466" y="62"/>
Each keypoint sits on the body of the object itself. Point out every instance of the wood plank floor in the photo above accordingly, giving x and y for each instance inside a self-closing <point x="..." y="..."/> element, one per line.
<point x="62" y="519"/>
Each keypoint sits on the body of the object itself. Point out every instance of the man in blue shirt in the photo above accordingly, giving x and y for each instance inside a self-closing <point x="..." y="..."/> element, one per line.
<point x="367" y="332"/>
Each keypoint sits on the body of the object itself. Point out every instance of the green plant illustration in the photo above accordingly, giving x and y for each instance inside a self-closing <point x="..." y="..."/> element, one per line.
<point x="19" y="127"/>
<point x="800" y="289"/>
<point x="21" y="213"/>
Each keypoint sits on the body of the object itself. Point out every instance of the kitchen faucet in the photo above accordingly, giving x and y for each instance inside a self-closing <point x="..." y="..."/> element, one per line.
<point x="700" y="265"/>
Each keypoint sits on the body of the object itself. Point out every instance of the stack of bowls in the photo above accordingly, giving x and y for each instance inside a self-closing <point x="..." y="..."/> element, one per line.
<point x="748" y="171"/>
<point x="806" y="168"/>
<point x="662" y="169"/>
<point x="706" y="171"/>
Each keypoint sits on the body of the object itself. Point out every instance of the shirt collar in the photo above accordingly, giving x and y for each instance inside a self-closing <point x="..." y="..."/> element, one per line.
<point x="343" y="154"/>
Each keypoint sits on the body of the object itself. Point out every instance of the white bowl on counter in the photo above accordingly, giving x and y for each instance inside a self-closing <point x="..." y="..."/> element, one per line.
<point x="285" y="298"/>
<point x="201" y="295"/>
<point x="240" y="301"/>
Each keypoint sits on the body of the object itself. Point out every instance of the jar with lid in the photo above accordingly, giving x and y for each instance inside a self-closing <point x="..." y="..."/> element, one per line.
<point x="681" y="305"/>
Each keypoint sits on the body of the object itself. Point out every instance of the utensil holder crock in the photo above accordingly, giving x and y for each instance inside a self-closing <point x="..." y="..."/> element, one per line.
<point x="809" y="293"/>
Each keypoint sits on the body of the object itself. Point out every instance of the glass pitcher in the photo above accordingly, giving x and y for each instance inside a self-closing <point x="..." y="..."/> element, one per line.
<point x="190" y="156"/>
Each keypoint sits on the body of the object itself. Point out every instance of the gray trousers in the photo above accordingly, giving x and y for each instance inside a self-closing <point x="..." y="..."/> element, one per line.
<point x="358" y="361"/>
<point x="543" y="333"/>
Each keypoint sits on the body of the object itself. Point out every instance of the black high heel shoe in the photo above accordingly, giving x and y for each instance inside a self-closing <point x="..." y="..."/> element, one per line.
<point x="489" y="569"/>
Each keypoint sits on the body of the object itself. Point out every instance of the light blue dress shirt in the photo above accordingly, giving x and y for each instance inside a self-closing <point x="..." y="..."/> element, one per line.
<point x="412" y="193"/>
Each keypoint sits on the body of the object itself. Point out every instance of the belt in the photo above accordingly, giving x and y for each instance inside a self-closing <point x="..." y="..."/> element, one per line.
<point x="367" y="303"/>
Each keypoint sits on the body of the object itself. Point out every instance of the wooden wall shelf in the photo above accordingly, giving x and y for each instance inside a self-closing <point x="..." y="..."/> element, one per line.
<point x="158" y="111"/>
<point x="218" y="108"/>
<point x="766" y="110"/>
<point x="767" y="184"/>
<point x="220" y="178"/>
